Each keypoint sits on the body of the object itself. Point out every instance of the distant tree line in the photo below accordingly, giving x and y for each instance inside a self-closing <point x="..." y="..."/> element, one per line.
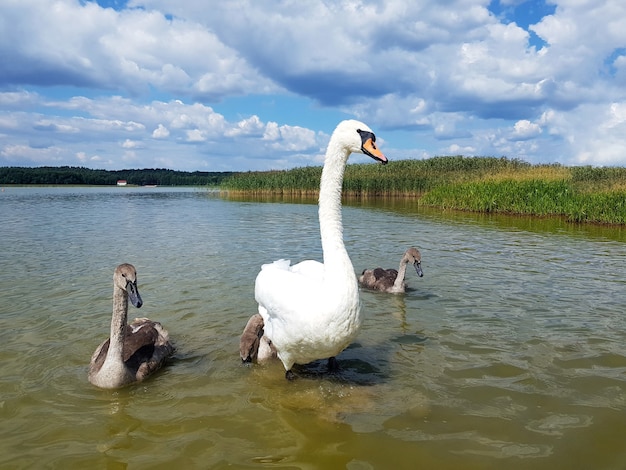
<point x="80" y="175"/>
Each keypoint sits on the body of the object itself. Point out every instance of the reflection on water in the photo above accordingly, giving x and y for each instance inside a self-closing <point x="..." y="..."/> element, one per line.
<point x="508" y="352"/>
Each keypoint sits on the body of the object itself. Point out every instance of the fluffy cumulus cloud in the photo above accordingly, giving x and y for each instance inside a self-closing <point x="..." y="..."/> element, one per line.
<point x="251" y="84"/>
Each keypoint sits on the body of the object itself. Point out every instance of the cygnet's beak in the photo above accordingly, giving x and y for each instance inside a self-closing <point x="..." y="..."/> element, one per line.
<point x="418" y="269"/>
<point x="133" y="294"/>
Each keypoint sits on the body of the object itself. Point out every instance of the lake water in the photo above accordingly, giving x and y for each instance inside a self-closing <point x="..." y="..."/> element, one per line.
<point x="508" y="353"/>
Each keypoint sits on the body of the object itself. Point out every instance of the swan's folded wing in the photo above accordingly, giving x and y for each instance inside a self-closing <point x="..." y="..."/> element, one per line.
<point x="380" y="273"/>
<point x="99" y="355"/>
<point x="280" y="292"/>
<point x="310" y="268"/>
<point x="278" y="264"/>
<point x="138" y="336"/>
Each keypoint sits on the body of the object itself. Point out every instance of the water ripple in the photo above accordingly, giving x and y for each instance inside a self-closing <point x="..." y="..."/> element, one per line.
<point x="509" y="351"/>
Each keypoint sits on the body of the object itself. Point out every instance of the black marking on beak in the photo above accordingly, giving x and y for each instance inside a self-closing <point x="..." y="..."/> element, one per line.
<point x="418" y="269"/>
<point x="368" y="139"/>
<point x="133" y="294"/>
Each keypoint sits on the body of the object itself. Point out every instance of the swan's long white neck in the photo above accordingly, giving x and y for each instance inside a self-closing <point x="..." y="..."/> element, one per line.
<point x="336" y="260"/>
<point x="118" y="323"/>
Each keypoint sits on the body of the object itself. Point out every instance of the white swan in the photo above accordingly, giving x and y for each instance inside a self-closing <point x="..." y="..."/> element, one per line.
<point x="311" y="310"/>
<point x="390" y="280"/>
<point x="133" y="351"/>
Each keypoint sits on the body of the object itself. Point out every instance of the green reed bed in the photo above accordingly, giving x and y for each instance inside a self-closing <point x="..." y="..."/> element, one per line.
<point x="483" y="184"/>
<point x="533" y="197"/>
<point x="403" y="177"/>
<point x="303" y="180"/>
<point x="581" y="194"/>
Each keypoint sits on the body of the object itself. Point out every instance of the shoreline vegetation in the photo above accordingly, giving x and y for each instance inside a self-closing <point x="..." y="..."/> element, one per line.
<point x="51" y="175"/>
<point x="478" y="184"/>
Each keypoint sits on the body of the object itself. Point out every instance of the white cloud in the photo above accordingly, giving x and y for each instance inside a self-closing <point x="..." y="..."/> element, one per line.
<point x="34" y="156"/>
<point x="455" y="149"/>
<point x="195" y="135"/>
<point x="131" y="144"/>
<point x="178" y="83"/>
<point x="295" y="139"/>
<point x="524" y="130"/>
<point x="247" y="127"/>
<point x="161" y="132"/>
<point x="272" y="132"/>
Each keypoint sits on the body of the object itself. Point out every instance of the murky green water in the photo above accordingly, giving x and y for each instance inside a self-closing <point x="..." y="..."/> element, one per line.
<point x="508" y="353"/>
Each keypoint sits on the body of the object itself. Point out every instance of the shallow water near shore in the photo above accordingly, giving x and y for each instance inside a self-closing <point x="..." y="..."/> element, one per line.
<point x="508" y="353"/>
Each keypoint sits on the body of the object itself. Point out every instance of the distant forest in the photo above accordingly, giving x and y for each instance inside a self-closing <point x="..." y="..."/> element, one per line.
<point x="79" y="175"/>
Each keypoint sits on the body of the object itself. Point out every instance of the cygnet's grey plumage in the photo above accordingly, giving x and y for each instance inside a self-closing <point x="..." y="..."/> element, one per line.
<point x="391" y="280"/>
<point x="132" y="352"/>
<point x="253" y="345"/>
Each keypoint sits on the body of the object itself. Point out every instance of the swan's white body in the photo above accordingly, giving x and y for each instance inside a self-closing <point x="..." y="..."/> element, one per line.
<point x="132" y="352"/>
<point x="312" y="310"/>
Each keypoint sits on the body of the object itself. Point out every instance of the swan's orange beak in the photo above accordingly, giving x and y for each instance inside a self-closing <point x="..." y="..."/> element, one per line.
<point x="369" y="148"/>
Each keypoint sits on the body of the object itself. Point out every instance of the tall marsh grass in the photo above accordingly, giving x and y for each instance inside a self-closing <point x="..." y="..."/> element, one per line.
<point x="484" y="184"/>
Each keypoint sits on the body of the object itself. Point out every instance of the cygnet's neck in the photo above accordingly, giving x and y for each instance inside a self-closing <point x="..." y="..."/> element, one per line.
<point x="398" y="284"/>
<point x="118" y="322"/>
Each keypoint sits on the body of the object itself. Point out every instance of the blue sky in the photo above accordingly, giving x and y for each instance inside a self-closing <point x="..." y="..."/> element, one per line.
<point x="261" y="84"/>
